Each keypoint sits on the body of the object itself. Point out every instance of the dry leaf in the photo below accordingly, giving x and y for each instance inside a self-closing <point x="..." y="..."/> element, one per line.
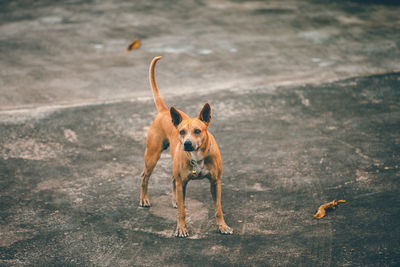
<point x="331" y="205"/>
<point x="135" y="44"/>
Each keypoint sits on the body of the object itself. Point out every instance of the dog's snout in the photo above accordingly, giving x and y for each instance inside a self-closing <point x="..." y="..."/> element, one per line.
<point x="187" y="143"/>
<point x="188" y="146"/>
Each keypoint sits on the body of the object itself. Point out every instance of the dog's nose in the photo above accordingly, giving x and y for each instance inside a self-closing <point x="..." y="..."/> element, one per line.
<point x="188" y="146"/>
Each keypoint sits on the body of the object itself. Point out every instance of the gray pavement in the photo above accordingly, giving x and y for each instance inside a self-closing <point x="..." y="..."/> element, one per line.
<point x="306" y="104"/>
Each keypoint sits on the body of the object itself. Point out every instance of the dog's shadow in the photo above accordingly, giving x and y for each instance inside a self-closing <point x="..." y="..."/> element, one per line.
<point x="197" y="218"/>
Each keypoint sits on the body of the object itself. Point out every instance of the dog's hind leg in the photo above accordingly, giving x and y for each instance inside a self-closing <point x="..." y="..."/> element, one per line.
<point x="154" y="147"/>
<point x="174" y="203"/>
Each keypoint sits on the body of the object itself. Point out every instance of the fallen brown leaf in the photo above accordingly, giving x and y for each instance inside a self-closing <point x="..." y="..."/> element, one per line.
<point x="331" y="205"/>
<point x="135" y="44"/>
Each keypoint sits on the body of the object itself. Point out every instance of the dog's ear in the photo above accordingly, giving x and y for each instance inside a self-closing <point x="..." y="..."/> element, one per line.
<point x="205" y="114"/>
<point x="176" y="116"/>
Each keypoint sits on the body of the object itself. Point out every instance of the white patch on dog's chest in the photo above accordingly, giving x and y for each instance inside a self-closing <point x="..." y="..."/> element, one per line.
<point x="196" y="155"/>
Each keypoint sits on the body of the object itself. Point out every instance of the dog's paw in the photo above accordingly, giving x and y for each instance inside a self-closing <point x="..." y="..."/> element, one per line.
<point x="225" y="229"/>
<point x="181" y="231"/>
<point x="145" y="203"/>
<point x="174" y="204"/>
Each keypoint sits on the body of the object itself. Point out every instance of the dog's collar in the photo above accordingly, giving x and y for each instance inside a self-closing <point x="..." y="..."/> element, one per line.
<point x="195" y="166"/>
<point x="194" y="163"/>
<point x="196" y="169"/>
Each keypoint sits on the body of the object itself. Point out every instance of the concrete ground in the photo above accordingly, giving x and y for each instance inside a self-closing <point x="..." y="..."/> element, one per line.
<point x="306" y="104"/>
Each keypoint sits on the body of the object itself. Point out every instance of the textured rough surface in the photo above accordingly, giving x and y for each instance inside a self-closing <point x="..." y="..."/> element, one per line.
<point x="77" y="202"/>
<point x="75" y="109"/>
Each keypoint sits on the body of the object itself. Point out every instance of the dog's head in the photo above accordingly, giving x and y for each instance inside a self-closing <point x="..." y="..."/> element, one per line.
<point x="193" y="131"/>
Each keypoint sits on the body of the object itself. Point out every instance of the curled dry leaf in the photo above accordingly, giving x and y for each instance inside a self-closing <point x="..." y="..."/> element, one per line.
<point x="322" y="209"/>
<point x="135" y="44"/>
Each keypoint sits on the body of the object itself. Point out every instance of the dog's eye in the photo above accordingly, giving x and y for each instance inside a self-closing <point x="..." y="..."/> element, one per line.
<point x="197" y="131"/>
<point x="182" y="132"/>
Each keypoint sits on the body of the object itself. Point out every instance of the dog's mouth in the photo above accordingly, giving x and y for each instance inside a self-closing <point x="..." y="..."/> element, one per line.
<point x="188" y="148"/>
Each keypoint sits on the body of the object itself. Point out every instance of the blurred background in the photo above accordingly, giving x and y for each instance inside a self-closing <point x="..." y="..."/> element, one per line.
<point x="73" y="52"/>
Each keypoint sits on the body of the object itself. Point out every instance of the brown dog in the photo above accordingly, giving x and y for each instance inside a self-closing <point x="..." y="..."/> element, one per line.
<point x="194" y="151"/>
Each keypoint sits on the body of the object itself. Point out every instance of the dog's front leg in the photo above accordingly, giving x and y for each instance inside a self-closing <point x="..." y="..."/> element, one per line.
<point x="219" y="216"/>
<point x="181" y="230"/>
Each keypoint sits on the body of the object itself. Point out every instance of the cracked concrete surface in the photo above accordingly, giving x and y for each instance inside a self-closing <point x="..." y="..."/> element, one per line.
<point x="306" y="109"/>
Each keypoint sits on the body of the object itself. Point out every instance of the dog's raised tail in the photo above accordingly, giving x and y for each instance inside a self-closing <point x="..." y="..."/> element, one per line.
<point x="160" y="104"/>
